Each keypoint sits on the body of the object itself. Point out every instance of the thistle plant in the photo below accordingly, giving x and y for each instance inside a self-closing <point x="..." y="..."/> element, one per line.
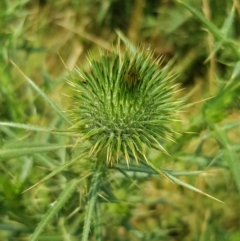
<point x="123" y="102"/>
<point x="124" y="105"/>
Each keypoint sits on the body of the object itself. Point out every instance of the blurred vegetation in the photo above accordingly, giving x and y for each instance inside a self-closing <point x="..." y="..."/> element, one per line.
<point x="45" y="38"/>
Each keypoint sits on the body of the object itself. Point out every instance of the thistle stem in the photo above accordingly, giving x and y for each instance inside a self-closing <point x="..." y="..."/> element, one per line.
<point x="92" y="197"/>
<point x="97" y="225"/>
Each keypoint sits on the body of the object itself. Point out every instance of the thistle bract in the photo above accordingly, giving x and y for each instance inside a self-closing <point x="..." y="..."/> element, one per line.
<point x="123" y="102"/>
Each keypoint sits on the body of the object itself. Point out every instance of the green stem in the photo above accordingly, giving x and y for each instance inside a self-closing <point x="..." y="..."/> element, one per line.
<point x="92" y="197"/>
<point x="97" y="224"/>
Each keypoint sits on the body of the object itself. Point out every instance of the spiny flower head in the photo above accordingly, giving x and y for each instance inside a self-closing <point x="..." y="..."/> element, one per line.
<point x="123" y="102"/>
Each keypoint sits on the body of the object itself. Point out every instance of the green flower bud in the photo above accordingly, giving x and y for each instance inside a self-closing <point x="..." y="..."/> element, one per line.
<point x="123" y="102"/>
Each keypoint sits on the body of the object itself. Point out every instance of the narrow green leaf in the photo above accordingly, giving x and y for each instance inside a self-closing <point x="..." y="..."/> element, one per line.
<point x="128" y="43"/>
<point x="158" y="170"/>
<point x="43" y="95"/>
<point x="58" y="170"/>
<point x="224" y="30"/>
<point x="230" y="125"/>
<point x="54" y="209"/>
<point x="233" y="161"/>
<point x="230" y="154"/>
<point x="210" y="26"/>
<point x="215" y="50"/>
<point x="179" y="182"/>
<point x="12" y="152"/>
<point x="236" y="71"/>
<point x="29" y="127"/>
<point x="148" y="170"/>
<point x="24" y="126"/>
<point x="228" y="22"/>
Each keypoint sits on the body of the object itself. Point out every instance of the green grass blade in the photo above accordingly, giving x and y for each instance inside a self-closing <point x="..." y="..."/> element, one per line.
<point x="128" y="43"/>
<point x="236" y="72"/>
<point x="234" y="165"/>
<point x="210" y="26"/>
<point x="224" y="30"/>
<point x="180" y="182"/>
<point x="218" y="34"/>
<point x="58" y="170"/>
<point x="58" y="204"/>
<point x="167" y="173"/>
<point x="11" y="152"/>
<point x="228" y="22"/>
<point x="229" y="154"/>
<point x="36" y="128"/>
<point x="217" y="47"/>
<point x="230" y="125"/>
<point x="149" y="171"/>
<point x="44" y="96"/>
<point x="25" y="126"/>
<point x="225" y="127"/>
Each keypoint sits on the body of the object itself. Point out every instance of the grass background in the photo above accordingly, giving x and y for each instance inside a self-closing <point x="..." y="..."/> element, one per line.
<point x="43" y="38"/>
